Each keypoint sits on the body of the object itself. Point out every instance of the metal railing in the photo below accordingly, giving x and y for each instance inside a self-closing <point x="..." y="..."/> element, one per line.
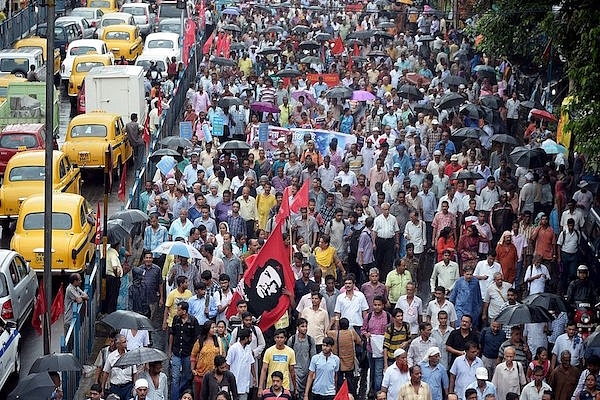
<point x="20" y="24"/>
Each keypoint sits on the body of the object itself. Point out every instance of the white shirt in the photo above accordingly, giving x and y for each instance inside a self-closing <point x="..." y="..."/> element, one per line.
<point x="415" y="234"/>
<point x="141" y="339"/>
<point x="393" y="379"/>
<point x="464" y="373"/>
<point x="412" y="312"/>
<point x="575" y="346"/>
<point x="351" y="307"/>
<point x="240" y="360"/>
<point x="433" y="308"/>
<point x="537" y="285"/>
<point x="385" y="228"/>
<point x="483" y="268"/>
<point x="118" y="375"/>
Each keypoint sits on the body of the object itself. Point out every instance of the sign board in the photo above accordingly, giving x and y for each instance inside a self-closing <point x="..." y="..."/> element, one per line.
<point x="217" y="126"/>
<point x="185" y="129"/>
<point x="263" y="132"/>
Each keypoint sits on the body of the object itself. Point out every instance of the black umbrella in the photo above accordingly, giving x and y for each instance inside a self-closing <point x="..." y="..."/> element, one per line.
<point x="361" y="35"/>
<point x="549" y="301"/>
<point x="176" y="141"/>
<point x="424" y="108"/>
<point x="288" y="73"/>
<point x="132" y="215"/>
<point x="529" y="158"/>
<point x="160" y="153"/>
<point x="231" y="28"/>
<point x="473" y="111"/>
<point x="322" y="36"/>
<point x="229" y="101"/>
<point x="225" y="62"/>
<point x="352" y="42"/>
<point x="269" y="50"/>
<point x="504" y="138"/>
<point x="377" y="53"/>
<point x="410" y="91"/>
<point x="486" y="72"/>
<point x="450" y="100"/>
<point x="383" y="34"/>
<point x="118" y="230"/>
<point x="426" y="38"/>
<point x="274" y="29"/>
<point x="466" y="175"/>
<point x="56" y="362"/>
<point x="467" y="132"/>
<point x="523" y="314"/>
<point x="492" y="102"/>
<point x="232" y="145"/>
<point x="36" y="386"/>
<point x="311" y="60"/>
<point x="301" y="29"/>
<point x="122" y="319"/>
<point x="309" y="45"/>
<point x="339" y="92"/>
<point x="455" y="80"/>
<point x="386" y="25"/>
<point x="237" y="46"/>
<point x="141" y="355"/>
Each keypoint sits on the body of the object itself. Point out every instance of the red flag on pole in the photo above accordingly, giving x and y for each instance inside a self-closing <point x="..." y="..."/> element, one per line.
<point x="208" y="44"/>
<point x="338" y="47"/>
<point x="122" y="184"/>
<point x="58" y="305"/>
<point x="350" y="64"/>
<point x="284" y="209"/>
<point x="269" y="272"/>
<point x="39" y="309"/>
<point x="342" y="394"/>
<point x="98" y="227"/>
<point x="356" y="51"/>
<point x="146" y="135"/>
<point x="301" y="198"/>
<point x="159" y="103"/>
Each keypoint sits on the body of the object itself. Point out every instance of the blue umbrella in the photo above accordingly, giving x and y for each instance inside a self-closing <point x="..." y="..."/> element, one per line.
<point x="231" y="11"/>
<point x="178" y="248"/>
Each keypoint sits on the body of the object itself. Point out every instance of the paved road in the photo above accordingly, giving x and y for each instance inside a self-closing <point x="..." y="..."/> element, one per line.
<point x="93" y="191"/>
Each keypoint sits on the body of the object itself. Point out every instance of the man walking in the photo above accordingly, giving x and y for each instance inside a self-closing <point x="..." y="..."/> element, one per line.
<point x="182" y="335"/>
<point x="134" y="133"/>
<point x="322" y="372"/>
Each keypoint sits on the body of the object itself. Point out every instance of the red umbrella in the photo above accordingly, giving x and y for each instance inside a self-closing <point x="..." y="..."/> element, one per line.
<point x="264" y="106"/>
<point x="543" y="114"/>
<point x="417" y="79"/>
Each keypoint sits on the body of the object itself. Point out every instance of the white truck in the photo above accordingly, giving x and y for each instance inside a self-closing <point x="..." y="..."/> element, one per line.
<point x="118" y="89"/>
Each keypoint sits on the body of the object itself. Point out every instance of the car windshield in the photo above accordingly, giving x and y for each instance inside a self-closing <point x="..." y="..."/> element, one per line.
<point x="169" y="10"/>
<point x="170" y="27"/>
<point x="100" y="4"/>
<point x="80" y="50"/>
<point x="112" y="21"/>
<point x="14" y="64"/>
<point x="82" y="12"/>
<point x="27" y="173"/>
<point x="135" y="10"/>
<point x="60" y="221"/>
<point x="79" y="131"/>
<point x="18" y="141"/>
<point x="146" y="64"/>
<point x="160" y="44"/>
<point x="116" y="36"/>
<point x="86" y="66"/>
<point x="59" y="32"/>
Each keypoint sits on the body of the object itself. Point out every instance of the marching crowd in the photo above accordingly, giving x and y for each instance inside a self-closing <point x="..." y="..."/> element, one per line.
<point x="408" y="208"/>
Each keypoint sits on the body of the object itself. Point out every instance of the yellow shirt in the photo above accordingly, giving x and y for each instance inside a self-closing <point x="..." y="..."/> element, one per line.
<point x="279" y="360"/>
<point x="245" y="66"/>
<point x="175" y="297"/>
<point x="264" y="203"/>
<point x="324" y="259"/>
<point x="397" y="284"/>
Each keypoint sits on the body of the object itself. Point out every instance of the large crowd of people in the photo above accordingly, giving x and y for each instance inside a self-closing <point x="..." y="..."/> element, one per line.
<point x="414" y="237"/>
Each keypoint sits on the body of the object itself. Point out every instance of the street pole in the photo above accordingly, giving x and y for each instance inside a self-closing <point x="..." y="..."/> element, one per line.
<point x="49" y="153"/>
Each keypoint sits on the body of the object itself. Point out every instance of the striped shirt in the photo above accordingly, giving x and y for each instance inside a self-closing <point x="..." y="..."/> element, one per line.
<point x="393" y="338"/>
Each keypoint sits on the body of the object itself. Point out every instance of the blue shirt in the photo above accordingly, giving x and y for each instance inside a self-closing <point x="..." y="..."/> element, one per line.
<point x="489" y="389"/>
<point x="490" y="342"/>
<point x="346" y="124"/>
<point x="450" y="148"/>
<point x="405" y="163"/>
<point x="154" y="239"/>
<point x="325" y="369"/>
<point x="466" y="297"/>
<point x="436" y="378"/>
<point x="197" y="306"/>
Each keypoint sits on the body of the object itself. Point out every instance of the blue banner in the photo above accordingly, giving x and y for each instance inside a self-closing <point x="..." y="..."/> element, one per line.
<point x="217" y="126"/>
<point x="185" y="129"/>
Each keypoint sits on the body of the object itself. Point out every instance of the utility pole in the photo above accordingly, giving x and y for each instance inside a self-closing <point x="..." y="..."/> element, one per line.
<point x="49" y="153"/>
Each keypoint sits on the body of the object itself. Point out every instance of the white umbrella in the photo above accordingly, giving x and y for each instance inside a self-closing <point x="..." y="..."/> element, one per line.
<point x="178" y="249"/>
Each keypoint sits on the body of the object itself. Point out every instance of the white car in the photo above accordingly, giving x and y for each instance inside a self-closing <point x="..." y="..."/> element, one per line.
<point x="114" y="18"/>
<point x="144" y="61"/>
<point x="9" y="354"/>
<point x="81" y="47"/>
<point x="163" y="44"/>
<point x="86" y="28"/>
<point x="143" y="16"/>
<point x="93" y="15"/>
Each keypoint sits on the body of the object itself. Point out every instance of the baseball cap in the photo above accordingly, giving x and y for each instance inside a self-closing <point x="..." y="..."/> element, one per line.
<point x="481" y="373"/>
<point x="141" y="383"/>
<point x="171" y="181"/>
<point x="437" y="153"/>
<point x="582" y="268"/>
<point x="471" y="188"/>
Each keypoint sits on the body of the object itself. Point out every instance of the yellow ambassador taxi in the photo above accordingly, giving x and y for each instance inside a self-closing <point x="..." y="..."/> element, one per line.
<point x="81" y="66"/>
<point x="25" y="175"/>
<point x="123" y="40"/>
<point x="89" y="136"/>
<point x="105" y="5"/>
<point x="36" y="42"/>
<point x="73" y="231"/>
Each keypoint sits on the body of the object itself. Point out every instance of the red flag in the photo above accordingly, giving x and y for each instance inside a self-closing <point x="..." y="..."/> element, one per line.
<point x="159" y="102"/>
<point x="58" y="305"/>
<point x="220" y="43"/>
<point x="356" y="51"/>
<point x="338" y="47"/>
<point x="39" y="309"/>
<point x="301" y="198"/>
<point x="98" y="227"/>
<point x="284" y="209"/>
<point x="146" y="135"/>
<point x="268" y="273"/>
<point x="208" y="43"/>
<point x="227" y="47"/>
<point x="342" y="394"/>
<point x="350" y="64"/>
<point x="122" y="184"/>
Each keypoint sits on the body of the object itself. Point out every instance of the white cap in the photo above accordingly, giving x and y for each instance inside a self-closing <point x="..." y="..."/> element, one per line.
<point x="481" y="373"/>
<point x="399" y="352"/>
<point x="141" y="383"/>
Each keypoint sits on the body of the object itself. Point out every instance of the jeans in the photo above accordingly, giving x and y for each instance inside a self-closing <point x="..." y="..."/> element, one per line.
<point x="124" y="392"/>
<point x="181" y="375"/>
<point x="569" y="271"/>
<point x="518" y="278"/>
<point x="376" y="366"/>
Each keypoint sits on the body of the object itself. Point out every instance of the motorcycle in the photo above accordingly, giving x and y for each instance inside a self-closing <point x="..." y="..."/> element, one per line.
<point x="586" y="318"/>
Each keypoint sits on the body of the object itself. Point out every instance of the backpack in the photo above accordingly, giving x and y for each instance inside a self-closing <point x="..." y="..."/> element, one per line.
<point x="311" y="343"/>
<point x="354" y="238"/>
<point x="387" y="314"/>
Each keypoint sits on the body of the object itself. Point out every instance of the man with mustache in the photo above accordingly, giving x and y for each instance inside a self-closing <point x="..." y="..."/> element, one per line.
<point x="396" y="375"/>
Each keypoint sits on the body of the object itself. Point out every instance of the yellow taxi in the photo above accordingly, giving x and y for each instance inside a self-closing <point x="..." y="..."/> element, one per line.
<point x="104" y="5"/>
<point x="90" y="135"/>
<point x="73" y="230"/>
<point x="81" y="66"/>
<point x="123" y="40"/>
<point x="24" y="176"/>
<point x="36" y="42"/>
<point x="5" y="80"/>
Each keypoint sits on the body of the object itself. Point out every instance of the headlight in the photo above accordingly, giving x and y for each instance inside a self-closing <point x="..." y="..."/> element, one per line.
<point x="585" y="318"/>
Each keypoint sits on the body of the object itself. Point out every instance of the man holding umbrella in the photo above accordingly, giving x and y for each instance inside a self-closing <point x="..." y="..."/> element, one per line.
<point x="121" y="379"/>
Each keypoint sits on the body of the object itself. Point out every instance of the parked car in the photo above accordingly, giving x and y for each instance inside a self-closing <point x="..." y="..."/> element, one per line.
<point x="143" y="16"/>
<point x="86" y="28"/>
<point x="25" y="175"/>
<point x="144" y="61"/>
<point x="81" y="66"/>
<point x="89" y="135"/>
<point x="163" y="44"/>
<point x="123" y="40"/>
<point x="18" y="288"/>
<point x="81" y="47"/>
<point x="73" y="231"/>
<point x="114" y="18"/>
<point x="34" y="42"/>
<point x="93" y="15"/>
<point x="9" y="358"/>
<point x="18" y="62"/>
<point x="15" y="138"/>
<point x="105" y="5"/>
<point x="172" y="25"/>
<point x="64" y="33"/>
